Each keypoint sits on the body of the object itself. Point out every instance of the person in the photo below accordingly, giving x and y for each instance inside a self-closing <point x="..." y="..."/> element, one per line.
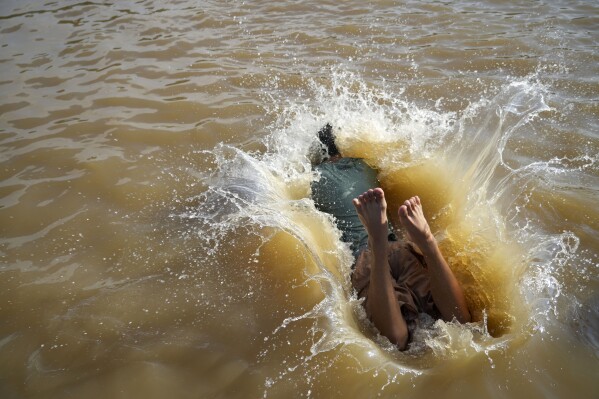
<point x="398" y="279"/>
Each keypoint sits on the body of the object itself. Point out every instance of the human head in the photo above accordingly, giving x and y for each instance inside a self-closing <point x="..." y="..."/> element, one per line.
<point x="326" y="137"/>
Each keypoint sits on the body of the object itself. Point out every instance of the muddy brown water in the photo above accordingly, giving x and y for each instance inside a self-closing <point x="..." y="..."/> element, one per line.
<point x="157" y="237"/>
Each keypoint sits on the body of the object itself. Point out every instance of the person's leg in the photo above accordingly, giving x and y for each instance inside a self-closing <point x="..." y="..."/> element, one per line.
<point x="382" y="304"/>
<point x="446" y="291"/>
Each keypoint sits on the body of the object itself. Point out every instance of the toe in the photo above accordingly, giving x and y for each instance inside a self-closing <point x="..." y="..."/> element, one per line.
<point x="403" y="211"/>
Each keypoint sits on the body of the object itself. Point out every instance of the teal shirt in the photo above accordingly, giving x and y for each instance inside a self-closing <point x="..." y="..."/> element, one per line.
<point x="340" y="182"/>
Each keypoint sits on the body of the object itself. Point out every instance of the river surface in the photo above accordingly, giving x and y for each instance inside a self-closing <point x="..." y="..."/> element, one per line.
<point x="157" y="236"/>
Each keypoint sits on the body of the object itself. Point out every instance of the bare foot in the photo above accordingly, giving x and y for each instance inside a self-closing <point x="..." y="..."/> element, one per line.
<point x="372" y="211"/>
<point x="413" y="221"/>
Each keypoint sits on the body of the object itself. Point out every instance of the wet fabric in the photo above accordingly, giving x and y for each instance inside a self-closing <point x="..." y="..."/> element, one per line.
<point x="340" y="182"/>
<point x="411" y="283"/>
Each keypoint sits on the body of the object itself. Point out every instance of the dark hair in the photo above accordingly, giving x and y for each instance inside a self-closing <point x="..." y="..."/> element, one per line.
<point x="326" y="137"/>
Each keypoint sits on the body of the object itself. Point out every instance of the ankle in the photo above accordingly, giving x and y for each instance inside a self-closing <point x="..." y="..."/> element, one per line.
<point x="428" y="244"/>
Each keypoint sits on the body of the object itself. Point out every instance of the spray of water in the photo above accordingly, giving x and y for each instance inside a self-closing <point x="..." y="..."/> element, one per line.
<point x="490" y="191"/>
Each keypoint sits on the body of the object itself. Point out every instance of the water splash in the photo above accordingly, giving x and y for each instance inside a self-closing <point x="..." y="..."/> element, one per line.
<point x="271" y="189"/>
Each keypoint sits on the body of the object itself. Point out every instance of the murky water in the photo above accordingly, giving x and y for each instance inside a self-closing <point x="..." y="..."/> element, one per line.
<point x="157" y="237"/>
